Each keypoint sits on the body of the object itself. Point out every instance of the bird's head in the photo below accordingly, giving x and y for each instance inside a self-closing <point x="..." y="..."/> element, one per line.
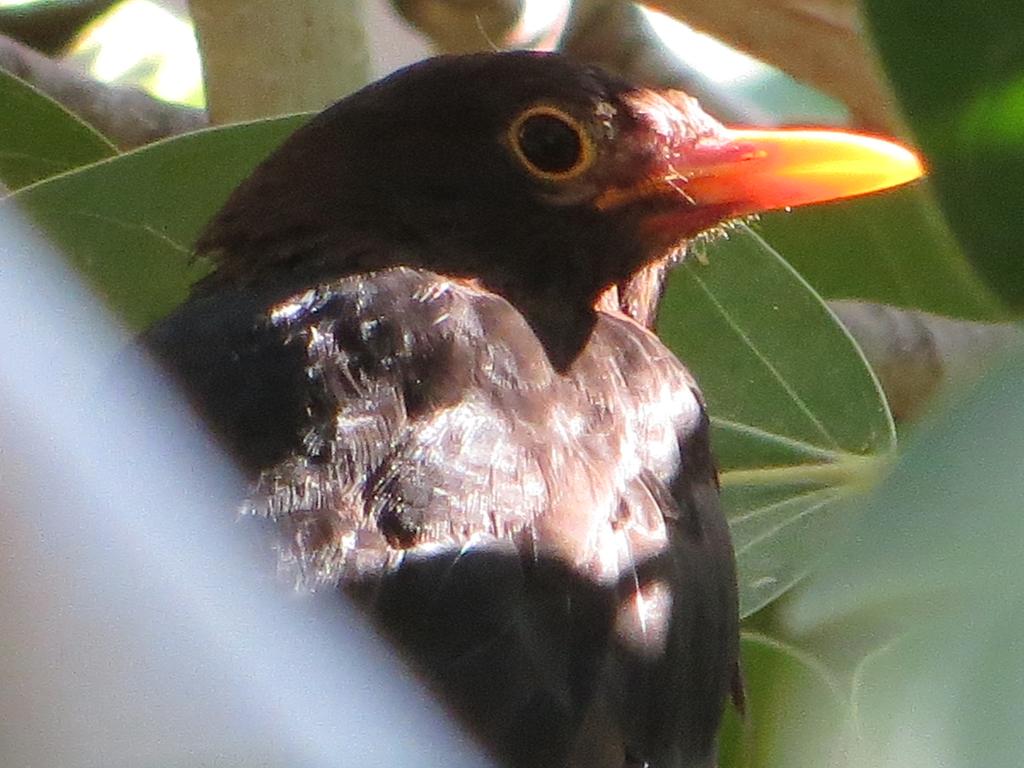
<point x="547" y="181"/>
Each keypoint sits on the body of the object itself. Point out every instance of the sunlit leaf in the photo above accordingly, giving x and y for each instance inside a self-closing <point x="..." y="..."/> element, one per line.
<point x="39" y="138"/>
<point x="818" y="43"/>
<point x="799" y="420"/>
<point x="760" y="87"/>
<point x="46" y="25"/>
<point x="128" y="223"/>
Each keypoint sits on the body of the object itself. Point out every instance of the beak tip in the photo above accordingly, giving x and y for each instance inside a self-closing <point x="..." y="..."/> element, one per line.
<point x="897" y="164"/>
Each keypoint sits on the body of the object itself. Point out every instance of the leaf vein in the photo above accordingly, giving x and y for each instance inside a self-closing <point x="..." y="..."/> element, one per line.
<point x="794" y="396"/>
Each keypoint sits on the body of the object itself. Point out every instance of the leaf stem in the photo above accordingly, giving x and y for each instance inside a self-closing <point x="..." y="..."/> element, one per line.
<point x="858" y="472"/>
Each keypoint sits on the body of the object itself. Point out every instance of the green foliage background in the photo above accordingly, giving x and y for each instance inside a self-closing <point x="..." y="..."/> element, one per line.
<point x="903" y="647"/>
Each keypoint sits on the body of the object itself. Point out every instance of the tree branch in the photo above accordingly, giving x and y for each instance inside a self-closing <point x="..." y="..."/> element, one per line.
<point x="917" y="354"/>
<point x="263" y="58"/>
<point x="464" y="26"/>
<point x="820" y="42"/>
<point x="619" y="37"/>
<point x="129" y="117"/>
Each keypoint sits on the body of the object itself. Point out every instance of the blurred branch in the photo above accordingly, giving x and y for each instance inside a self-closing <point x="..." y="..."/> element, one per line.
<point x="129" y="117"/>
<point x="464" y="26"/>
<point x="263" y="57"/>
<point x="618" y="36"/>
<point x="615" y="35"/>
<point x="821" y="42"/>
<point x="916" y="354"/>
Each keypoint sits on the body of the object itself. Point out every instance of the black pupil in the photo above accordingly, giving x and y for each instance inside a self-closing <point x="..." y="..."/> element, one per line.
<point x="550" y="143"/>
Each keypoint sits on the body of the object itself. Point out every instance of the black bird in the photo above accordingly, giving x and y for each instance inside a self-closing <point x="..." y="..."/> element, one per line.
<point x="428" y="338"/>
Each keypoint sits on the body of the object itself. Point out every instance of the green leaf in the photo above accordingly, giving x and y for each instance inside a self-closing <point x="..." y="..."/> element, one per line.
<point x="893" y="248"/>
<point x="936" y="551"/>
<point x="946" y="521"/>
<point x="797" y="711"/>
<point x="39" y="138"/>
<point x="128" y="223"/>
<point x="959" y="72"/>
<point x="799" y="421"/>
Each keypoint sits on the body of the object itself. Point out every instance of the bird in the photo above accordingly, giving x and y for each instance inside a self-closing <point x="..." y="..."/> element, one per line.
<point x="428" y="339"/>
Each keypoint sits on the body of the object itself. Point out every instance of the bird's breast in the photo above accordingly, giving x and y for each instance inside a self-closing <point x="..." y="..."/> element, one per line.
<point x="436" y="420"/>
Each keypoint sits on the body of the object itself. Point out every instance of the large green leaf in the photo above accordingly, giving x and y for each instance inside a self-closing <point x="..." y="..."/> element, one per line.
<point x="892" y="248"/>
<point x="936" y="552"/>
<point x="128" y="223"/>
<point x="39" y="138"/>
<point x="799" y="421"/>
<point x="958" y="69"/>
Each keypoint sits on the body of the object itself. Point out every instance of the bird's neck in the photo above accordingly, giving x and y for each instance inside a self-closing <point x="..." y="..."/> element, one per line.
<point x="562" y="323"/>
<point x="556" y="296"/>
<point x="638" y="297"/>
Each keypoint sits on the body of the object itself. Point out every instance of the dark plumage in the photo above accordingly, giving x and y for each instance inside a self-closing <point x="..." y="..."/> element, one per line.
<point x="428" y="338"/>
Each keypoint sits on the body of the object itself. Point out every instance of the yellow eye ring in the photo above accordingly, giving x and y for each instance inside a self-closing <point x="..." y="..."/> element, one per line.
<point x="551" y="144"/>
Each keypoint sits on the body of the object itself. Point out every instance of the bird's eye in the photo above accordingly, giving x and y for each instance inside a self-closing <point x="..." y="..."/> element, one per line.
<point x="551" y="144"/>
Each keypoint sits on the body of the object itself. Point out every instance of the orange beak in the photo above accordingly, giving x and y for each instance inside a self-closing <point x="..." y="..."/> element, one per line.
<point x="723" y="173"/>
<point x="749" y="171"/>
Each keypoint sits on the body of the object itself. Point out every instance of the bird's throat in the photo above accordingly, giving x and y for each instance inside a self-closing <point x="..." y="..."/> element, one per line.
<point x="562" y="327"/>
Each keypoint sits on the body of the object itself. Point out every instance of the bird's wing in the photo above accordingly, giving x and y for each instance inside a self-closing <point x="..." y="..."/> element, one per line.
<point x="675" y="630"/>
